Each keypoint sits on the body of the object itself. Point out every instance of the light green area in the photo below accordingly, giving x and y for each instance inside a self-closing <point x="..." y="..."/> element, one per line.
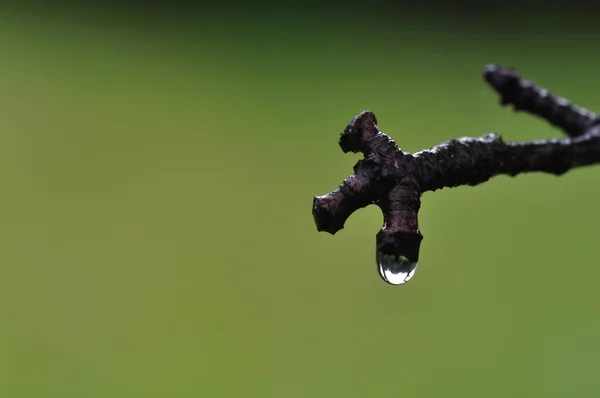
<point x="156" y="238"/>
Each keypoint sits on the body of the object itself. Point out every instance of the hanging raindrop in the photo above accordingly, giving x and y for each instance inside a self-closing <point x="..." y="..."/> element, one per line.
<point x="397" y="254"/>
<point x="395" y="270"/>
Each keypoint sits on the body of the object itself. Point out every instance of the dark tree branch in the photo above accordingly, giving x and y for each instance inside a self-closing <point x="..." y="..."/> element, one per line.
<point x="394" y="180"/>
<point x="526" y="96"/>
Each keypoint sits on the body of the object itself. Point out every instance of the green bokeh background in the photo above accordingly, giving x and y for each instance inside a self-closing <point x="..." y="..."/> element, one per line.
<point x="156" y="181"/>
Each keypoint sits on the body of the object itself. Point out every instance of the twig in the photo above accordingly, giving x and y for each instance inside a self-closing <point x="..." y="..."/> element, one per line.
<point x="394" y="180"/>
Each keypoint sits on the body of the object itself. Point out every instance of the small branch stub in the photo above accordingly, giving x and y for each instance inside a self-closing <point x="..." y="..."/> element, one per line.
<point x="394" y="180"/>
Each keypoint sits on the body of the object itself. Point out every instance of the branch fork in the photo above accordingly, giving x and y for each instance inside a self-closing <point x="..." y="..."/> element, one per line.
<point x="394" y="180"/>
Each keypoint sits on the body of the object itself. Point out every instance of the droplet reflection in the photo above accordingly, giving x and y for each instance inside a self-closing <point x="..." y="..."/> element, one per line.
<point x="395" y="270"/>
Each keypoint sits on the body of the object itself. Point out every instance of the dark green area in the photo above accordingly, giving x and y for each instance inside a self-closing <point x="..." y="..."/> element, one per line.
<point x="156" y="235"/>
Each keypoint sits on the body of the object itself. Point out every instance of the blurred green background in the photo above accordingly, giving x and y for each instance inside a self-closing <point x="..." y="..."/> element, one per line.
<point x="157" y="172"/>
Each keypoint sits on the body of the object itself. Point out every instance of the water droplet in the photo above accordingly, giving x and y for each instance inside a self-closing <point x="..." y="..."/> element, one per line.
<point x="395" y="270"/>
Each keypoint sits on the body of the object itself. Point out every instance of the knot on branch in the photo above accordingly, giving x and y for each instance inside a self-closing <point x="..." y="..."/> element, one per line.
<point x="394" y="180"/>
